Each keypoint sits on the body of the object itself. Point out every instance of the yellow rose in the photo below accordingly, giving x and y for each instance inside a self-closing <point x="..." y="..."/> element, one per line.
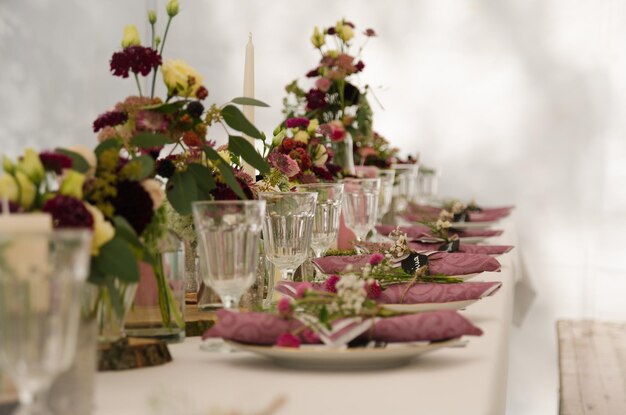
<point x="320" y="156"/>
<point x="180" y="78"/>
<point x="72" y="184"/>
<point x="27" y="190"/>
<point x="313" y="126"/>
<point x="344" y="31"/>
<point x="31" y="166"/>
<point x="103" y="231"/>
<point x="301" y="136"/>
<point x="8" y="188"/>
<point x="318" y="38"/>
<point x="131" y="36"/>
<point x="155" y="190"/>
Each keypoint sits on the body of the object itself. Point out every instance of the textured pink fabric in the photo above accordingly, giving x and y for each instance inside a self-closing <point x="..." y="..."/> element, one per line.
<point x="264" y="329"/>
<point x="417" y="231"/>
<point x="445" y="263"/>
<point x="419" y="213"/>
<point x="464" y="248"/>
<point x="437" y="293"/>
<point x="418" y="293"/>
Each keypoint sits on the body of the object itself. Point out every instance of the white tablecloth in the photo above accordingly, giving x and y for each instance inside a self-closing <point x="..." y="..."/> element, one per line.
<point x="470" y="380"/>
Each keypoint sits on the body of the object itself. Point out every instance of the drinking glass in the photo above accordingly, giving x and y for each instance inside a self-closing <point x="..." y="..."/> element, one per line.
<point x="360" y="205"/>
<point x="427" y="184"/>
<point x="327" y="212"/>
<point x="228" y="245"/>
<point x="405" y="189"/>
<point x="287" y="229"/>
<point x="42" y="276"/>
<point x="387" y="177"/>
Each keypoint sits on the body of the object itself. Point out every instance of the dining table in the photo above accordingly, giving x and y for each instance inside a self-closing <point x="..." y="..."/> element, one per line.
<point x="468" y="380"/>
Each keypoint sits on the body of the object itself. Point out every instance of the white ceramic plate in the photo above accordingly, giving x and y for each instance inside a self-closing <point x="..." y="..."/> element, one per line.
<point x="320" y="357"/>
<point x="472" y="239"/>
<point x="423" y="307"/>
<point x="473" y="225"/>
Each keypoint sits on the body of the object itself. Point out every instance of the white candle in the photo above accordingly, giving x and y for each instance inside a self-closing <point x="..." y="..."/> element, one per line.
<point x="28" y="250"/>
<point x="248" y="92"/>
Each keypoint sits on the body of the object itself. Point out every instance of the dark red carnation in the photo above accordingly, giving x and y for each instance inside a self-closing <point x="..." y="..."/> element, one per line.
<point x="315" y="99"/>
<point x="299" y="122"/>
<point x="373" y="290"/>
<point x="55" y="162"/>
<point x="202" y="93"/>
<point x="288" y="144"/>
<point x="330" y="284"/>
<point x="301" y="157"/>
<point x="165" y="168"/>
<point x="331" y="30"/>
<point x="313" y="73"/>
<point x="359" y="66"/>
<point x="322" y="173"/>
<point x="68" y="212"/>
<point x="333" y="169"/>
<point x="134" y="204"/>
<point x="223" y="192"/>
<point x="109" y="119"/>
<point x="137" y="59"/>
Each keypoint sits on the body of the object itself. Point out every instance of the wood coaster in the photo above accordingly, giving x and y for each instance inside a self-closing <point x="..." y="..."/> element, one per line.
<point x="197" y="321"/>
<point x="132" y="353"/>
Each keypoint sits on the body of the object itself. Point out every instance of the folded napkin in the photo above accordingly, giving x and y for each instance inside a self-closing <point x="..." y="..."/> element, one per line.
<point x="464" y="248"/>
<point x="264" y="328"/>
<point x="490" y="214"/>
<point x="418" y="293"/>
<point x="419" y="213"/>
<point x="446" y="263"/>
<point x="420" y="231"/>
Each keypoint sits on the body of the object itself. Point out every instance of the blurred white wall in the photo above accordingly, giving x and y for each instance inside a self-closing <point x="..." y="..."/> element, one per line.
<point x="516" y="101"/>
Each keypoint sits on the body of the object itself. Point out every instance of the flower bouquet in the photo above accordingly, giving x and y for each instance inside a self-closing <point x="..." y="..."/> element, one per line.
<point x="334" y="100"/>
<point x="374" y="150"/>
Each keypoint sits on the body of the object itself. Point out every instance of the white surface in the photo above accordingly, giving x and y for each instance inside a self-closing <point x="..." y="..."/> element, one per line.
<point x="421" y="307"/>
<point x="470" y="380"/>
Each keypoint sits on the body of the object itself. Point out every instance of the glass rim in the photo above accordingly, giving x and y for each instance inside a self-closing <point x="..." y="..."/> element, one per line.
<point x="299" y="194"/>
<point x="226" y="202"/>
<point x="316" y="185"/>
<point x="364" y="179"/>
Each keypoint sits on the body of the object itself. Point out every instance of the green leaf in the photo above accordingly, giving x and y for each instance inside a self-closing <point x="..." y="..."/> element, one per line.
<point x="243" y="148"/>
<point x="96" y="277"/>
<point x="230" y="180"/>
<point x="78" y="162"/>
<point x="181" y="191"/>
<point x="116" y="259"/>
<point x="235" y="119"/>
<point x="249" y="101"/>
<point x="125" y="231"/>
<point x="147" y="166"/>
<point x="106" y="145"/>
<point x="149" y="140"/>
<point x="204" y="179"/>
<point x="166" y="108"/>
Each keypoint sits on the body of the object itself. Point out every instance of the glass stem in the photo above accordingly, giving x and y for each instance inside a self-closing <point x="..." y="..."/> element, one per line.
<point x="287" y="274"/>
<point x="34" y="402"/>
<point x="230" y="302"/>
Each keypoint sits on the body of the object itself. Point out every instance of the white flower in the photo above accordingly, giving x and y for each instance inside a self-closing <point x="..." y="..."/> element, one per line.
<point x="103" y="231"/>
<point x="351" y="293"/>
<point x="155" y="190"/>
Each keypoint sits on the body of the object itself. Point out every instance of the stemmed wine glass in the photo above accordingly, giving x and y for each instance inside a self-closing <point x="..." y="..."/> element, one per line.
<point x="405" y="189"/>
<point x="228" y="245"/>
<point x="360" y="205"/>
<point x="287" y="230"/>
<point x="387" y="177"/>
<point x="42" y="275"/>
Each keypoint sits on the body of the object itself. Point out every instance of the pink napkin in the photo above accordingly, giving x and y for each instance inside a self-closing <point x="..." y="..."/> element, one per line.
<point x="465" y="248"/>
<point x="445" y="263"/>
<point x="417" y="231"/>
<point x="418" y="293"/>
<point x="418" y="213"/>
<point x="264" y="329"/>
<point x="490" y="214"/>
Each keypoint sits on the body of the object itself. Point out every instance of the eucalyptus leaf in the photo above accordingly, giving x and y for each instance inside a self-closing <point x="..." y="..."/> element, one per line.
<point x="124" y="230"/>
<point x="166" y="108"/>
<point x="78" y="162"/>
<point x="116" y="259"/>
<point x="106" y="145"/>
<point x="181" y="191"/>
<point x="231" y="180"/>
<point x="249" y="101"/>
<point x="150" y="140"/>
<point x="243" y="148"/>
<point x="235" y="119"/>
<point x="204" y="179"/>
<point x="147" y="166"/>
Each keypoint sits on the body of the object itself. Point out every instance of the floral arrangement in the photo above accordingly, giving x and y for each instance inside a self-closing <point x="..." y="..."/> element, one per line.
<point x="374" y="151"/>
<point x="170" y="135"/>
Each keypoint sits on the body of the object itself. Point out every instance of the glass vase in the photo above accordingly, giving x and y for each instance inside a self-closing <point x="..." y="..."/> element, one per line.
<point x="110" y="303"/>
<point x="159" y="307"/>
<point x="343" y="155"/>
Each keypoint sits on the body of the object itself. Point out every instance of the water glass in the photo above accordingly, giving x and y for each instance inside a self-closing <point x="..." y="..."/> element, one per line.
<point x="387" y="177"/>
<point x="287" y="229"/>
<point x="228" y="245"/>
<point x="360" y="205"/>
<point x="327" y="213"/>
<point x="42" y="276"/>
<point x="428" y="184"/>
<point x="405" y="189"/>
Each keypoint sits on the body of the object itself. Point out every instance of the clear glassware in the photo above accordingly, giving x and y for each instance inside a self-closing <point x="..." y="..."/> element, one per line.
<point x="387" y="177"/>
<point x="360" y="205"/>
<point x="327" y="213"/>
<point x="405" y="189"/>
<point x="228" y="245"/>
<point x="42" y="276"/>
<point x="428" y="184"/>
<point x="287" y="230"/>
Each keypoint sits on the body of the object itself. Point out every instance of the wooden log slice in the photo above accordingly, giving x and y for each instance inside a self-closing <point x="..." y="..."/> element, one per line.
<point x="132" y="353"/>
<point x="197" y="321"/>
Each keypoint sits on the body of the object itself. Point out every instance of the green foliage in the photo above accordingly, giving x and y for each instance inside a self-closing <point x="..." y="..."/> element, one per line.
<point x="241" y="147"/>
<point x="181" y="191"/>
<point x="78" y="162"/>
<point x="249" y="101"/>
<point x="150" y="140"/>
<point x="236" y="120"/>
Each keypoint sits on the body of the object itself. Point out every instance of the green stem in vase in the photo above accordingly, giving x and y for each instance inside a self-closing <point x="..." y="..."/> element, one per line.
<point x="167" y="304"/>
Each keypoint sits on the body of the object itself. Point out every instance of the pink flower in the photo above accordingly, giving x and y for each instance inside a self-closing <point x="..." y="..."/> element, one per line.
<point x="310" y="336"/>
<point x="285" y="164"/>
<point x="376" y="259"/>
<point x="323" y="84"/>
<point x="297" y="122"/>
<point x="337" y="130"/>
<point x="302" y="289"/>
<point x="373" y="290"/>
<point x="330" y="284"/>
<point x="284" y="307"/>
<point x="288" y="340"/>
<point x="151" y="121"/>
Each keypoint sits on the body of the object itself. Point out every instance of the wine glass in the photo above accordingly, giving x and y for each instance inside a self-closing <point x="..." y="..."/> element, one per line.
<point x="387" y="177"/>
<point x="228" y="245"/>
<point x="360" y="205"/>
<point x="287" y="230"/>
<point x="42" y="275"/>
<point x="405" y="189"/>
<point x="327" y="212"/>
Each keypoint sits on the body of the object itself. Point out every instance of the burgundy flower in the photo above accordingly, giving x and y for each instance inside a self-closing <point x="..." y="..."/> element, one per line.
<point x="301" y="157"/>
<point x="137" y="59"/>
<point x="376" y="259"/>
<point x="134" y="204"/>
<point x="315" y="99"/>
<point x="109" y="119"/>
<point x="330" y="284"/>
<point x="313" y="73"/>
<point x="334" y="169"/>
<point x="284" y="307"/>
<point x="284" y="164"/>
<point x="288" y="340"/>
<point x="308" y="178"/>
<point x="331" y="30"/>
<point x="322" y="173"/>
<point x="299" y="122"/>
<point x="68" y="212"/>
<point x="369" y="32"/>
<point x="195" y="109"/>
<point x="202" y="93"/>
<point x="55" y="162"/>
<point x="223" y="192"/>
<point x="288" y="144"/>
<point x="373" y="290"/>
<point x="359" y="66"/>
<point x="165" y="168"/>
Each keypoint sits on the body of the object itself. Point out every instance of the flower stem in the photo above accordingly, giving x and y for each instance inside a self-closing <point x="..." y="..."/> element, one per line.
<point x="167" y="28"/>
<point x="138" y="85"/>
